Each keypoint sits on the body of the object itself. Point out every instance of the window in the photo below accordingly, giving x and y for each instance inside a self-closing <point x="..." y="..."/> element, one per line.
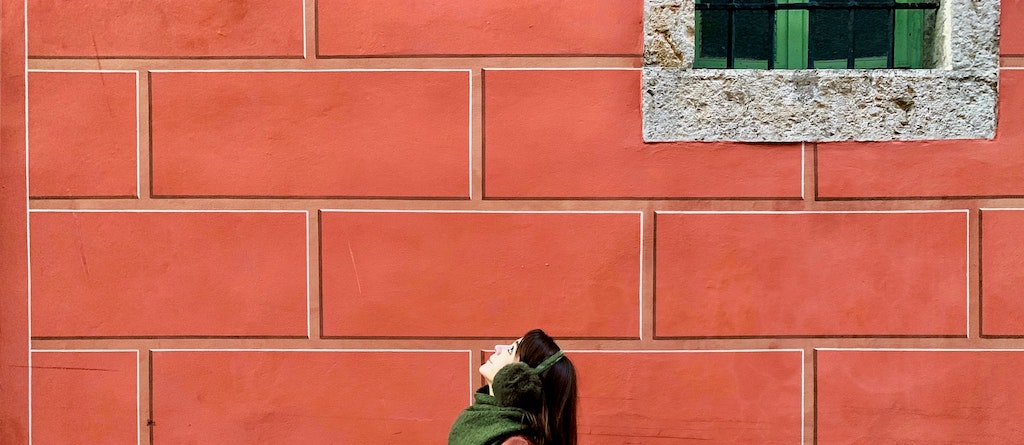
<point x="811" y="95"/>
<point x="801" y="34"/>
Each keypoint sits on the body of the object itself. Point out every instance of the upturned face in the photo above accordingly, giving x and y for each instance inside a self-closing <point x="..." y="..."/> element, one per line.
<point x="503" y="355"/>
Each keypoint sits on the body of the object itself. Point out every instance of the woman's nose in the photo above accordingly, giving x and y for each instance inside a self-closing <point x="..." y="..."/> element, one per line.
<point x="498" y="348"/>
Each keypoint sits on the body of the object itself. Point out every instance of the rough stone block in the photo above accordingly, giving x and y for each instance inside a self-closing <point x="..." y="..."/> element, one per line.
<point x="955" y="100"/>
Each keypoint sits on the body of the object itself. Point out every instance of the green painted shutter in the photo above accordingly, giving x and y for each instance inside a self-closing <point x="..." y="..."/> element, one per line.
<point x="790" y="38"/>
<point x="908" y="36"/>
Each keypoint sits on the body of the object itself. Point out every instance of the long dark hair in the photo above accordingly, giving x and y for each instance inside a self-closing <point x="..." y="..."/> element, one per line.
<point x="556" y="421"/>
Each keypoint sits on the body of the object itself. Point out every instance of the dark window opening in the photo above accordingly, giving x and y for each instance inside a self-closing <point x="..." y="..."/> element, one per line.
<point x="800" y="34"/>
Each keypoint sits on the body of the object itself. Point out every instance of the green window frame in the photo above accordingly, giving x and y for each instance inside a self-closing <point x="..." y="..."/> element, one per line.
<point x="790" y="44"/>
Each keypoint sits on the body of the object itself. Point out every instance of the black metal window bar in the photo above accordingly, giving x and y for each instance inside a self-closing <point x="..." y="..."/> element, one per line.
<point x="851" y="6"/>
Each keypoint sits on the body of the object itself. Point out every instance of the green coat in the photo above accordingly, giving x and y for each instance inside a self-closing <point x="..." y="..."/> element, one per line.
<point x="486" y="422"/>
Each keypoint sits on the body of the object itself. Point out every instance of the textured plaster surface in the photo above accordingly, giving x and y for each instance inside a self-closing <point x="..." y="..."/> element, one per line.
<point x="955" y="100"/>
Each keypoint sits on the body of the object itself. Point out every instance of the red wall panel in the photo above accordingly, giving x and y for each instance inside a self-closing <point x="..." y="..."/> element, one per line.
<point x="577" y="133"/>
<point x="1011" y="26"/>
<point x="927" y="396"/>
<point x="14" y="280"/>
<point x="1002" y="266"/>
<point x="165" y="28"/>
<point x="393" y="27"/>
<point x="85" y="397"/>
<point x="712" y="397"/>
<point x="316" y="133"/>
<point x="114" y="274"/>
<point x="441" y="274"/>
<point x="308" y="397"/>
<point x="810" y="274"/>
<point x="83" y="134"/>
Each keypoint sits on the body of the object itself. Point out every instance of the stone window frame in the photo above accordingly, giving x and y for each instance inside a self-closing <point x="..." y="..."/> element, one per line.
<point x="954" y="100"/>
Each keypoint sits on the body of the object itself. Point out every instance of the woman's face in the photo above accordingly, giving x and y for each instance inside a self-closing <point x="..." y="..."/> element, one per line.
<point x="503" y="355"/>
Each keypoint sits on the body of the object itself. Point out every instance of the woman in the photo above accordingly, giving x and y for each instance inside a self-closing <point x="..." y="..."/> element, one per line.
<point x="530" y="397"/>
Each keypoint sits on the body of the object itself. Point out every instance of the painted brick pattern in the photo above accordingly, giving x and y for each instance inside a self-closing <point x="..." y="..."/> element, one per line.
<point x="467" y="27"/>
<point x="890" y="397"/>
<point x="732" y="397"/>
<point x="163" y="28"/>
<point x="737" y="274"/>
<point x="315" y="397"/>
<point x="83" y="134"/>
<point x="1011" y="37"/>
<point x="490" y="271"/>
<point x="297" y="134"/>
<point x="111" y="274"/>
<point x="1003" y="269"/>
<point x="302" y="221"/>
<point x="85" y="397"/>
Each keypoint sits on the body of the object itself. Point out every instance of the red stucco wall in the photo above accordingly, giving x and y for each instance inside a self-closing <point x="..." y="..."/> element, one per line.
<point x="303" y="222"/>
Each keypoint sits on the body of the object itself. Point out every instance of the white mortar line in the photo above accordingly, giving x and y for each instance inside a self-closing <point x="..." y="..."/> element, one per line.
<point x="800" y="212"/>
<point x="469" y="138"/>
<point x="319" y="70"/>
<point x="640" y="280"/>
<point x="138" y="401"/>
<point x="309" y="322"/>
<point x="346" y="350"/>
<point x="305" y="53"/>
<point x="803" y="170"/>
<point x="84" y="350"/>
<point x="581" y="212"/>
<point x="164" y="211"/>
<point x="922" y="349"/>
<point x="138" y="141"/>
<point x="566" y="69"/>
<point x="803" y="391"/>
<point x="675" y="351"/>
<point x="967" y="272"/>
<point x="28" y="223"/>
<point x="99" y="71"/>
